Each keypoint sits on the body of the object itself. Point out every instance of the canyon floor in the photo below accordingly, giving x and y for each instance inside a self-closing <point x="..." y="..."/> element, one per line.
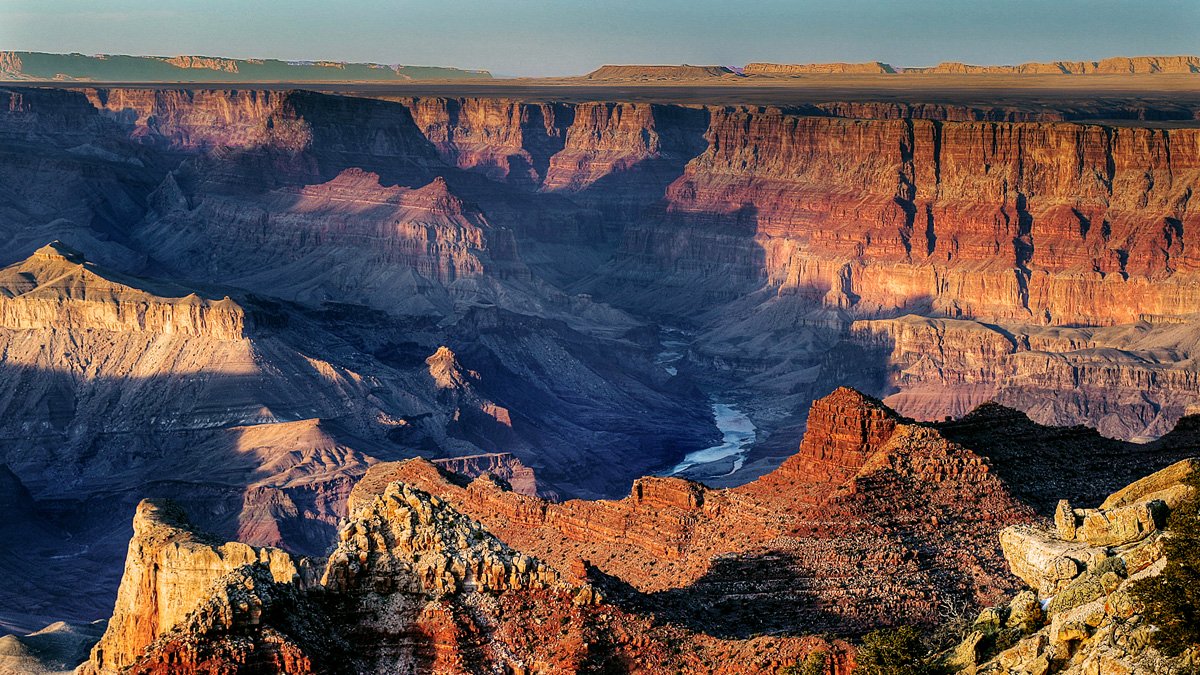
<point x="578" y="295"/>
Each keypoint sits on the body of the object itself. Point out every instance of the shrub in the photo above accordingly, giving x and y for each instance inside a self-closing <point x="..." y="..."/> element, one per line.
<point x="813" y="664"/>
<point x="893" y="651"/>
<point x="1172" y="599"/>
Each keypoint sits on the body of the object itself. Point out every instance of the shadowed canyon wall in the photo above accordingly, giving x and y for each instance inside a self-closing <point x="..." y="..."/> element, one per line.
<point x="354" y="280"/>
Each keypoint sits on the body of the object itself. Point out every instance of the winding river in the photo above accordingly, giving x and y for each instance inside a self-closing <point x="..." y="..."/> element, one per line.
<point x="737" y="431"/>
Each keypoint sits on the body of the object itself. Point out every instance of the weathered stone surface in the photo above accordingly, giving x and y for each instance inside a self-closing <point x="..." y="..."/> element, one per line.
<point x="878" y="476"/>
<point x="1164" y="486"/>
<point x="1092" y="624"/>
<point x="56" y="288"/>
<point x="415" y="586"/>
<point x="1122" y="525"/>
<point x="169" y="573"/>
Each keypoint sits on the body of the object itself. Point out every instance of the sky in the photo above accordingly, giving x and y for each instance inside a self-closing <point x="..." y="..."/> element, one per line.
<point x="571" y="37"/>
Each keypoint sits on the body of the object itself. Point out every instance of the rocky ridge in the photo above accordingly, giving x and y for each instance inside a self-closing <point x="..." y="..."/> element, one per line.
<point x="417" y="580"/>
<point x="56" y="288"/>
<point x="413" y="586"/>
<point x="1080" y="616"/>
<point x="681" y="542"/>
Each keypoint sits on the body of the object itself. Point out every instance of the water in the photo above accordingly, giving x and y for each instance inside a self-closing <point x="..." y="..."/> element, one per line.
<point x="737" y="431"/>
<point x="674" y="347"/>
<point x="737" y="435"/>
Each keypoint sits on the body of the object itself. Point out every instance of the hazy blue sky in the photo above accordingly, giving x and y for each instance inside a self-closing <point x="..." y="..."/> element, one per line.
<point x="551" y="37"/>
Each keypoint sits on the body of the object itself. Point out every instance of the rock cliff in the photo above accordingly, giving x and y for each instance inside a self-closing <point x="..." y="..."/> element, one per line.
<point x="935" y="253"/>
<point x="860" y="210"/>
<point x="57" y="288"/>
<point x="862" y="475"/>
<point x="412" y="586"/>
<point x="1081" y="615"/>
<point x="894" y="524"/>
<point x="168" y="572"/>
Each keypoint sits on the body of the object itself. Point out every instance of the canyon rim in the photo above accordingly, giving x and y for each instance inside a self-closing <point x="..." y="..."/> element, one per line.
<point x="788" y="366"/>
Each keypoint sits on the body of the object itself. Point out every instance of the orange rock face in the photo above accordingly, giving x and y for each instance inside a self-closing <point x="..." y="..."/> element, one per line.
<point x="861" y="476"/>
<point x="877" y="520"/>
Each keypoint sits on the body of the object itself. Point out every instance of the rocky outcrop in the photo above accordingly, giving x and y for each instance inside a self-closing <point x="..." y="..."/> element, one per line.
<point x="844" y="430"/>
<point x="444" y="552"/>
<point x="415" y="586"/>
<point x="57" y="288"/>
<point x="508" y="140"/>
<point x="946" y="367"/>
<point x="1081" y="572"/>
<point x="169" y="571"/>
<point x="502" y="465"/>
<point x="862" y="474"/>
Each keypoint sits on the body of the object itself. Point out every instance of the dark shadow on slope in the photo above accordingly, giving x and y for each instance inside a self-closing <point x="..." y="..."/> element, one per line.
<point x="1043" y="464"/>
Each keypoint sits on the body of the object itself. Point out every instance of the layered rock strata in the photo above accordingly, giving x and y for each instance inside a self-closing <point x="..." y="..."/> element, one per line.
<point x="413" y="586"/>
<point x="1081" y="616"/>
<point x="168" y="572"/>
<point x="862" y="476"/>
<point x="56" y="288"/>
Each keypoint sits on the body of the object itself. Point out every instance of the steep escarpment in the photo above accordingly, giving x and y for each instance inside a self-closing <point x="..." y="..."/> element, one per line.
<point x="56" y="288"/>
<point x="800" y="225"/>
<point x="437" y="574"/>
<point x="456" y="278"/>
<point x="167" y="571"/>
<point x="507" y="140"/>
<point x="940" y="367"/>
<point x="964" y="219"/>
<point x="412" y="584"/>
<point x="863" y="476"/>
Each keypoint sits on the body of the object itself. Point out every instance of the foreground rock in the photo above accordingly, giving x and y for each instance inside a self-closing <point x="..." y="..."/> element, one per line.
<point x="413" y="586"/>
<point x="1080" y="617"/>
<point x="876" y="519"/>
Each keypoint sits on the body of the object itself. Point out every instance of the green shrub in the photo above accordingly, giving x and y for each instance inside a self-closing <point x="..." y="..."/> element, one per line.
<point x="1172" y="599"/>
<point x="893" y="651"/>
<point x="813" y="664"/>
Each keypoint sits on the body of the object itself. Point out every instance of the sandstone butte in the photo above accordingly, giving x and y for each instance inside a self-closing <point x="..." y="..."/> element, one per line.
<point x="875" y="520"/>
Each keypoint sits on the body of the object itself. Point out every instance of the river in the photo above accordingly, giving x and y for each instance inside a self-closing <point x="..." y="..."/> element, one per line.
<point x="737" y="431"/>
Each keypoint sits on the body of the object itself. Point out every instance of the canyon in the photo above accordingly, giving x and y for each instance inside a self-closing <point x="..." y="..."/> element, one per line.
<point x="879" y="332"/>
<point x="434" y="571"/>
